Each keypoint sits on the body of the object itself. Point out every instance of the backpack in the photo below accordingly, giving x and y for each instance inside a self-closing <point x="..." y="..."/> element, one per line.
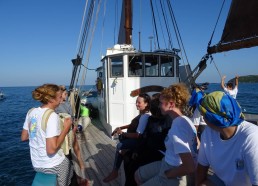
<point x="67" y="143"/>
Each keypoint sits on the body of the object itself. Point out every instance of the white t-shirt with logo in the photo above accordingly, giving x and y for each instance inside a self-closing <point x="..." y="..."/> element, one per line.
<point x="234" y="161"/>
<point x="37" y="138"/>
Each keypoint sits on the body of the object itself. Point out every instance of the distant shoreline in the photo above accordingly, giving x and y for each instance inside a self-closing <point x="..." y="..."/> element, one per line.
<point x="242" y="79"/>
<point x="247" y="79"/>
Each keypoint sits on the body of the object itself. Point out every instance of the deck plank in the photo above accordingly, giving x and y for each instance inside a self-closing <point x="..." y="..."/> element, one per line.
<point x="98" y="153"/>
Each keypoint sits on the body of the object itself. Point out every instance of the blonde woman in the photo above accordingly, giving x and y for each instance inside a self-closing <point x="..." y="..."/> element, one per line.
<point x="46" y="155"/>
<point x="181" y="143"/>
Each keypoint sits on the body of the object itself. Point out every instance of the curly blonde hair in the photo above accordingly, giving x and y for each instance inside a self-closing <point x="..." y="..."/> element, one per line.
<point x="45" y="93"/>
<point x="178" y="93"/>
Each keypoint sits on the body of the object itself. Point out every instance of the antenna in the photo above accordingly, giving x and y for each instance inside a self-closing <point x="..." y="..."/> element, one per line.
<point x="139" y="41"/>
<point x="150" y="38"/>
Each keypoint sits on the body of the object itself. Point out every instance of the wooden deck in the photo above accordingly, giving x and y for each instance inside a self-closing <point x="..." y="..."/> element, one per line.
<point x="98" y="153"/>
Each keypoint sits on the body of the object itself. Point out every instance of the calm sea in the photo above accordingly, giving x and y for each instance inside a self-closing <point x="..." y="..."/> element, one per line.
<point x="15" y="164"/>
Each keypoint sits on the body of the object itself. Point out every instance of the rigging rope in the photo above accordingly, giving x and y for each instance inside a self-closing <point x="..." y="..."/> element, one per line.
<point x="178" y="36"/>
<point x="155" y="26"/>
<point x="212" y="61"/>
<point x="167" y="26"/>
<point x="84" y="12"/>
<point x="90" y="43"/>
<point x="83" y="77"/>
<point x="86" y="28"/>
<point x="84" y="37"/>
<point x="88" y="68"/>
<point x="216" y="24"/>
<point x="161" y="27"/>
<point x="140" y="24"/>
<point x="102" y="29"/>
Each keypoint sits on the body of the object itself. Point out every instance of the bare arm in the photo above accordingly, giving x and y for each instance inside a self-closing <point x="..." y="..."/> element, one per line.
<point x="124" y="127"/>
<point x="236" y="81"/>
<point x="185" y="168"/>
<point x="201" y="175"/>
<point x="223" y="82"/>
<point x="134" y="135"/>
<point x="24" y="135"/>
<point x="53" y="144"/>
<point x="120" y="128"/>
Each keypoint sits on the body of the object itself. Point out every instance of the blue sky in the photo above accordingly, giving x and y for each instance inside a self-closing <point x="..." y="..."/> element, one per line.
<point x="38" y="39"/>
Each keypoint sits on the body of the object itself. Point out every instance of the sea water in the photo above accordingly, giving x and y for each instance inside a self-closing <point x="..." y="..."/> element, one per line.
<point x="15" y="164"/>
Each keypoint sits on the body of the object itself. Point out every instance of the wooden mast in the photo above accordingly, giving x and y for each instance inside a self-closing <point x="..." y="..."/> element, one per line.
<point x="128" y="21"/>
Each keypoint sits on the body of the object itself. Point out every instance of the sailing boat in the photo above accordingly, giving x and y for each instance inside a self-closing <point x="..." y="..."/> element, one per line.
<point x="126" y="71"/>
<point x="1" y="95"/>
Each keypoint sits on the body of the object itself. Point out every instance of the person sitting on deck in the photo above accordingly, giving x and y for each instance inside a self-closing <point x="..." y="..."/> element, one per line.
<point x="129" y="140"/>
<point x="229" y="87"/>
<point x="152" y="143"/>
<point x="181" y="143"/>
<point x="45" y="152"/>
<point x="229" y="144"/>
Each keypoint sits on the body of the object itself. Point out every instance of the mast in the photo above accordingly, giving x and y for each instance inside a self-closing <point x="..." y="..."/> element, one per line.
<point x="125" y="32"/>
<point x="128" y="21"/>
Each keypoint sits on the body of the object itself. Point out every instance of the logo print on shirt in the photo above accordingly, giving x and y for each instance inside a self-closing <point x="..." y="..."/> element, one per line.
<point x="240" y="164"/>
<point x="33" y="127"/>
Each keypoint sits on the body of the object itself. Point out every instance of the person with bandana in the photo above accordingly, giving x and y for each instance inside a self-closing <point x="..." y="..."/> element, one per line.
<point x="229" y="144"/>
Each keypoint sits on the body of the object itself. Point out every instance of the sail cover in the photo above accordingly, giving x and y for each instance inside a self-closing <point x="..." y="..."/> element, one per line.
<point x="241" y="28"/>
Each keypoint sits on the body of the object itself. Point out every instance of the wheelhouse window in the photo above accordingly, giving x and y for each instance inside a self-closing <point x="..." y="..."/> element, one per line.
<point x="151" y="65"/>
<point x="116" y="65"/>
<point x="166" y="66"/>
<point x="135" y="66"/>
